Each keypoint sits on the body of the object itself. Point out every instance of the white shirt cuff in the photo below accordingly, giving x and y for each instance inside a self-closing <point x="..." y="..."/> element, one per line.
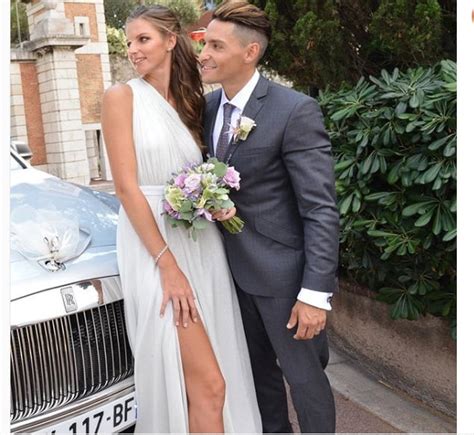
<point x="316" y="299"/>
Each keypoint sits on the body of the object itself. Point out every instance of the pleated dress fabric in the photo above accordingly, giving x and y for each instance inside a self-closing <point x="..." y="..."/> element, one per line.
<point x="163" y="145"/>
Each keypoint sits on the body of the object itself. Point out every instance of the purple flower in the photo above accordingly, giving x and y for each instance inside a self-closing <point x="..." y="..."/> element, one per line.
<point x="169" y="210"/>
<point x="232" y="178"/>
<point x="179" y="180"/>
<point x="206" y="213"/>
<point x="192" y="183"/>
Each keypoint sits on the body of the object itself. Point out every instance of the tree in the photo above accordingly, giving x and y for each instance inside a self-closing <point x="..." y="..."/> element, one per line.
<point x="117" y="11"/>
<point x="18" y="33"/>
<point x="189" y="11"/>
<point x="319" y="43"/>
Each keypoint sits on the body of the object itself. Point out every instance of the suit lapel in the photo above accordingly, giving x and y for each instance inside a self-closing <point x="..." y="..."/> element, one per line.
<point x="251" y="110"/>
<point x="211" y="113"/>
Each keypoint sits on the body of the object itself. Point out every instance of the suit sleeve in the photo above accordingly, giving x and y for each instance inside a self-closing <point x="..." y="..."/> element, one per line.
<point x="308" y="158"/>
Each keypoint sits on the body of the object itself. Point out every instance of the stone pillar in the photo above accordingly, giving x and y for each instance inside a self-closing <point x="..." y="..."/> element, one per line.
<point x="53" y="41"/>
<point x="93" y="68"/>
<point x="64" y="136"/>
<point x="107" y="76"/>
<point x="26" y="105"/>
<point x="17" y="108"/>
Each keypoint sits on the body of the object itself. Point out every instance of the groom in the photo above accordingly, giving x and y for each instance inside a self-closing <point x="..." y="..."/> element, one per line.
<point x="284" y="262"/>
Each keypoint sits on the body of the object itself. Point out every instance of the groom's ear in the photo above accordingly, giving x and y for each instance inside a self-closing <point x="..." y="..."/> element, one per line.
<point x="252" y="53"/>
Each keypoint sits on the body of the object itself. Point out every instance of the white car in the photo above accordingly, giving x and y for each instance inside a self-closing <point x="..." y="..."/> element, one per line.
<point x="71" y="364"/>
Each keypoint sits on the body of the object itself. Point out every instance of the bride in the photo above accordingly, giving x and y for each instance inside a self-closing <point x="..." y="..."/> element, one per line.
<point x="192" y="369"/>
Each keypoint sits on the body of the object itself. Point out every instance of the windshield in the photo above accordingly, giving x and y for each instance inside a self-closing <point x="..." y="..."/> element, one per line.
<point x="14" y="165"/>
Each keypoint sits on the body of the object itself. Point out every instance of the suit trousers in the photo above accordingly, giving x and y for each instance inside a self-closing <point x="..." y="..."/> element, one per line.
<point x="274" y="353"/>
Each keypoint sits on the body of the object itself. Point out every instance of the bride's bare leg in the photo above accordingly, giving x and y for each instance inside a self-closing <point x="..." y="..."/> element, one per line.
<point x="205" y="385"/>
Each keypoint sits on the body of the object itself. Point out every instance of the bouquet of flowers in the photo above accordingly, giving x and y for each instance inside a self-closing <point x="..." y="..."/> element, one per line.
<point x="198" y="190"/>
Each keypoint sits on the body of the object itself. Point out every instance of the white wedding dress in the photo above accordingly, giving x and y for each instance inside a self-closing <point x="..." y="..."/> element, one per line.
<point x="163" y="145"/>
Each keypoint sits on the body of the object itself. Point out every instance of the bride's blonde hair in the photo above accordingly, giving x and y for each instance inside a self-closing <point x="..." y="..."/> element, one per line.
<point x="186" y="85"/>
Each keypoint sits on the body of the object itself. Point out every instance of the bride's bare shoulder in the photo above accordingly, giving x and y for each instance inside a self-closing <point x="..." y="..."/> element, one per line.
<point x="119" y="91"/>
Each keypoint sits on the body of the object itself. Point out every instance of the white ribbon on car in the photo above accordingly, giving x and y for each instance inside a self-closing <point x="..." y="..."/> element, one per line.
<point x="47" y="235"/>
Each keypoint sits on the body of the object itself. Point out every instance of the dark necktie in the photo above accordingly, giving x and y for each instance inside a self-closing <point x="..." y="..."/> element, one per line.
<point x="224" y="137"/>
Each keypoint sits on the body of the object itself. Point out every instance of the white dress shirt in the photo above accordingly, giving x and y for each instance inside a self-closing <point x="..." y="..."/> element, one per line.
<point x="310" y="297"/>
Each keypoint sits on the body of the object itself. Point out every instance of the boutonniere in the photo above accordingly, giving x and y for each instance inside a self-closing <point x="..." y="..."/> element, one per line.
<point x="244" y="126"/>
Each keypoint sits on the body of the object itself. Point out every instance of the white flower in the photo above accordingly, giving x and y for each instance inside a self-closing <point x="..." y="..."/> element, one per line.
<point x="244" y="126"/>
<point x="207" y="167"/>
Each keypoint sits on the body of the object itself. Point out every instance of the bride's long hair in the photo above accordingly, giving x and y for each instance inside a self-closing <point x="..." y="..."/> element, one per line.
<point x="186" y="85"/>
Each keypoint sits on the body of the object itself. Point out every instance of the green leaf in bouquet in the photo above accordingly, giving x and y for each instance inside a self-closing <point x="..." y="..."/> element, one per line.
<point x="220" y="169"/>
<point x="187" y="216"/>
<point x="200" y="224"/>
<point x="222" y="191"/>
<point x="173" y="223"/>
<point x="227" y="204"/>
<point x="186" y="206"/>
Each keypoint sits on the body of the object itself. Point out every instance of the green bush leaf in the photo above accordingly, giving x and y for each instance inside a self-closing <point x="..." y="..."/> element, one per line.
<point x="414" y="101"/>
<point x="432" y="173"/>
<point x="424" y="219"/>
<point x="438" y="143"/>
<point x="345" y="204"/>
<point x="450" y="235"/>
<point x="395" y="145"/>
<point x="340" y="166"/>
<point x="378" y="233"/>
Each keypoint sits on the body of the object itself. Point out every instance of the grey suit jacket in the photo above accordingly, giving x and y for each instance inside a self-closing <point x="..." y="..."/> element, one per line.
<point x="287" y="196"/>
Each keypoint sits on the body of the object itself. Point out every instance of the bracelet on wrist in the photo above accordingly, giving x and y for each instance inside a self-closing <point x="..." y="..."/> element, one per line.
<point x="160" y="254"/>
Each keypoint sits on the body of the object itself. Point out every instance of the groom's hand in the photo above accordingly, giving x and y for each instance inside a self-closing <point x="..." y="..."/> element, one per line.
<point x="224" y="214"/>
<point x="310" y="320"/>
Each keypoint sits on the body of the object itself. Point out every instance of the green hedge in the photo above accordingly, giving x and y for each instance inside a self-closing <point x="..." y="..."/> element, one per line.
<point x="394" y="140"/>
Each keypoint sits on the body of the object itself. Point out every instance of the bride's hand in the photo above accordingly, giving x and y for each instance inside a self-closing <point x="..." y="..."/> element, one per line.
<point x="225" y="214"/>
<point x="177" y="289"/>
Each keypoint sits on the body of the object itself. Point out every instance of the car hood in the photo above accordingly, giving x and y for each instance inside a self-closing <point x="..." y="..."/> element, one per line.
<point x="96" y="214"/>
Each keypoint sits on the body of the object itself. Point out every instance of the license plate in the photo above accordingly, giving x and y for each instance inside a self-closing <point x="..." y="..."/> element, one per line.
<point x="106" y="419"/>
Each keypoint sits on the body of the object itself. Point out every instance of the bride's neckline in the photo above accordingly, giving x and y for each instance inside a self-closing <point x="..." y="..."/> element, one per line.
<point x="159" y="93"/>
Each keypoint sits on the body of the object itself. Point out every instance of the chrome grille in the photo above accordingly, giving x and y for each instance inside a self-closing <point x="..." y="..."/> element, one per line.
<point x="62" y="360"/>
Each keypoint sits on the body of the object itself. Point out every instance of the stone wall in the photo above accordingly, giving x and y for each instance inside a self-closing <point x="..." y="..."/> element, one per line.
<point x="417" y="357"/>
<point x="121" y="69"/>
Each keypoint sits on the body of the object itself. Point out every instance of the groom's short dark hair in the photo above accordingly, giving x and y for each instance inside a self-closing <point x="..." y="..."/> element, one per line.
<point x="252" y="22"/>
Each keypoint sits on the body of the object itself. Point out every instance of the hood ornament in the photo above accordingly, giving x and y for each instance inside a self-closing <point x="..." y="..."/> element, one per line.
<point x="47" y="237"/>
<point x="53" y="264"/>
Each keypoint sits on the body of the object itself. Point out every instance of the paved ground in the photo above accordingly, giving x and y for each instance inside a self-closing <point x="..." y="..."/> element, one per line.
<point x="379" y="403"/>
<point x="351" y="418"/>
